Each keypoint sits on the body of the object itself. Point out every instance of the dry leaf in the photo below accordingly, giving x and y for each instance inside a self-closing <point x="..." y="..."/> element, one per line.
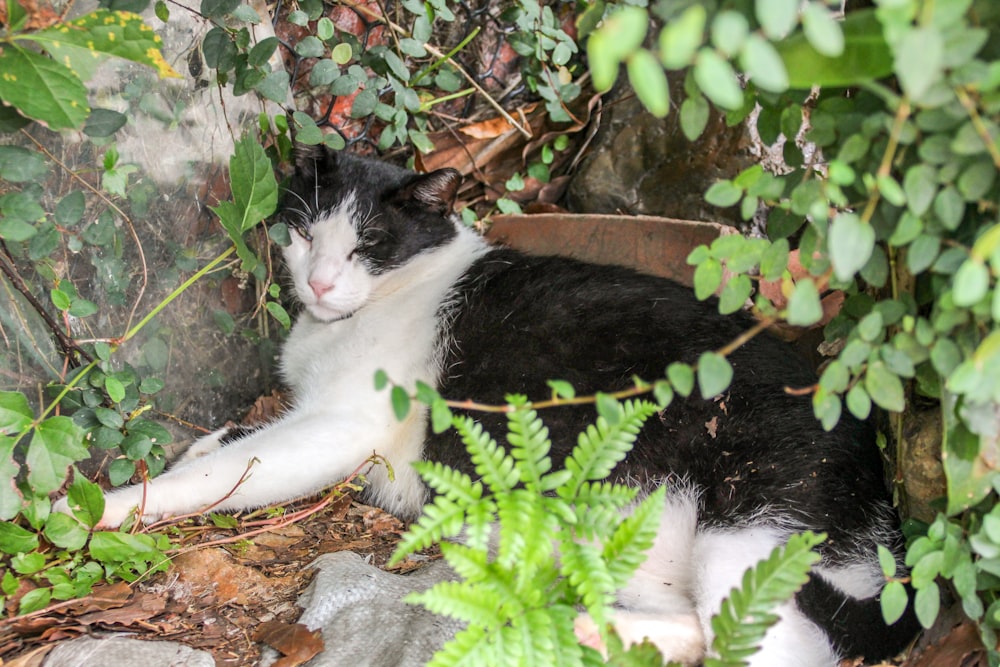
<point x="297" y="643"/>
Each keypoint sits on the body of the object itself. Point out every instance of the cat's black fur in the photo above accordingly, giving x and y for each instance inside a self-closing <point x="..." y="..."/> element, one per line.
<point x="756" y="453"/>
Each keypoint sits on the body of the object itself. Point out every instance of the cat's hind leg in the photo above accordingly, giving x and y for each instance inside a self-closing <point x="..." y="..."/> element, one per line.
<point x="720" y="557"/>
<point x="657" y="604"/>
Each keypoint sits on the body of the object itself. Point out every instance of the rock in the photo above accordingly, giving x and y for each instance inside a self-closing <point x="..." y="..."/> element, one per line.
<point x="640" y="164"/>
<point x="364" y="621"/>
<point x="125" y="652"/>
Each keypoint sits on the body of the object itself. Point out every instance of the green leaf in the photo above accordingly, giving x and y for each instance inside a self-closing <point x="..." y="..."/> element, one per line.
<point x="777" y="17"/>
<point x="735" y="294"/>
<point x="927" y="604"/>
<point x="894" y="600"/>
<point x="34" y="600"/>
<point x="707" y="278"/>
<point x="920" y="186"/>
<point x="441" y="416"/>
<point x="10" y="496"/>
<point x="104" y="123"/>
<point x="310" y="47"/>
<point x="680" y="38"/>
<point x="341" y="54"/>
<point x="85" y="40"/>
<point x="279" y="313"/>
<point x="717" y="79"/>
<point x="919" y="59"/>
<point x="971" y="283"/>
<point x="621" y="34"/>
<point x="884" y="387"/>
<point x="56" y="444"/>
<point x="804" y="307"/>
<point x="19" y="165"/>
<point x="42" y="89"/>
<point x="858" y="402"/>
<point x="649" y="82"/>
<point x="65" y="532"/>
<point x="714" y="374"/>
<point x="763" y="64"/>
<point x="850" y="244"/>
<point x="15" y="413"/>
<point x="86" y="500"/>
<point x="865" y="56"/>
<point x="400" y="402"/>
<point x="14" y="539"/>
<point x="115" y="389"/>
<point x="822" y="31"/>
<point x="748" y="612"/>
<point x="694" y="116"/>
<point x="681" y="378"/>
<point x="723" y="194"/>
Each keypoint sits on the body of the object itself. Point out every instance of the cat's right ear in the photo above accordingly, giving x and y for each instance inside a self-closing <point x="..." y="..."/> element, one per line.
<point x="311" y="161"/>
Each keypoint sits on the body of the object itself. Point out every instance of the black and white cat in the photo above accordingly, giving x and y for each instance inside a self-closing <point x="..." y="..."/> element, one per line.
<point x="389" y="279"/>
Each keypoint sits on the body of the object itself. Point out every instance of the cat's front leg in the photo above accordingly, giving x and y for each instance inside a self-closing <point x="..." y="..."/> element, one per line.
<point x="290" y="458"/>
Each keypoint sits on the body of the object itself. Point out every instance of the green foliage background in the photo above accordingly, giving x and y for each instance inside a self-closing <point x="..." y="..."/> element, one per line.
<point x="888" y="122"/>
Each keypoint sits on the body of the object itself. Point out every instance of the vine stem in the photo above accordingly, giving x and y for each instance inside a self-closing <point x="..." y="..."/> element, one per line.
<point x="128" y="221"/>
<point x="977" y="123"/>
<point x="437" y="53"/>
<point x="637" y="390"/>
<point x="177" y="292"/>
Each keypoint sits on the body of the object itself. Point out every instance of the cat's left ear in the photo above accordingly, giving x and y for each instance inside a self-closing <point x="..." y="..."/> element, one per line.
<point x="436" y="190"/>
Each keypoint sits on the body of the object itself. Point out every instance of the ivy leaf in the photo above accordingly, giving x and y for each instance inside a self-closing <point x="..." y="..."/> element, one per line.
<point x="717" y="79"/>
<point x="763" y="64"/>
<point x="649" y="82"/>
<point x="850" y="244"/>
<point x="972" y="282"/>
<point x="56" y="444"/>
<point x="804" y="307"/>
<point x="919" y="60"/>
<point x="86" y="500"/>
<point x="86" y="40"/>
<point x="15" y="413"/>
<point x="865" y="56"/>
<point x="42" y="89"/>
<point x="714" y="374"/>
<point x="10" y="496"/>
<point x="884" y="387"/>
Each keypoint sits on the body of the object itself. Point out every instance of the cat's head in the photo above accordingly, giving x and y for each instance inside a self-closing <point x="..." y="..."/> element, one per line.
<point x="353" y="220"/>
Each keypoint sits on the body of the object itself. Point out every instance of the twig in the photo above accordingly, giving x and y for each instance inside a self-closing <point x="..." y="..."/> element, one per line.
<point x="637" y="390"/>
<point x="438" y="54"/>
<point x="128" y="221"/>
<point x="68" y="345"/>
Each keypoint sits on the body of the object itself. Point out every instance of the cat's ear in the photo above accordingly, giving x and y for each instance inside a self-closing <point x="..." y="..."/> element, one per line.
<point x="436" y="190"/>
<point x="311" y="161"/>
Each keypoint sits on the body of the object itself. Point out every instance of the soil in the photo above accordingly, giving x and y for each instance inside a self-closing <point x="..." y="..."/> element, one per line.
<point x="224" y="599"/>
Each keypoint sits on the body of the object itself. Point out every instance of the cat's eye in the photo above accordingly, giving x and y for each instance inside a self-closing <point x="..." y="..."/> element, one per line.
<point x="303" y="232"/>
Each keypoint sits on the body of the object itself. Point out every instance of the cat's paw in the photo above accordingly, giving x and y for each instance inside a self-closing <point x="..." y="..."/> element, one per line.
<point x="679" y="637"/>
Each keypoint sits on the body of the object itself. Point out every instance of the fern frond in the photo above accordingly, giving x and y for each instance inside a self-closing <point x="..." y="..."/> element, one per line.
<point x="603" y="445"/>
<point x="529" y="441"/>
<point x="747" y="613"/>
<point x="469" y="563"/>
<point x="449" y="482"/>
<point x="480" y="520"/>
<point x="526" y="533"/>
<point x="627" y="547"/>
<point x="464" y="601"/>
<point x="588" y="574"/>
<point x="441" y="518"/>
<point x="471" y="647"/>
<point x="494" y="467"/>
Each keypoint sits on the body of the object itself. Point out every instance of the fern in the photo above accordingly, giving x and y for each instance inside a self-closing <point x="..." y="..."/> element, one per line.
<point x="746" y="615"/>
<point x="626" y="549"/>
<point x="494" y="467"/>
<point x="520" y="597"/>
<point x="529" y="440"/>
<point x="602" y="446"/>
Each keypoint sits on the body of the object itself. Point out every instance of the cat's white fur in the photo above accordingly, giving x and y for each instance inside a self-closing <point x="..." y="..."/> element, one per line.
<point x="362" y="323"/>
<point x="355" y="323"/>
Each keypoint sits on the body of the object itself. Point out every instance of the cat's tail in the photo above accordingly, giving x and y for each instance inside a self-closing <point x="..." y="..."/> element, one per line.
<point x="855" y="626"/>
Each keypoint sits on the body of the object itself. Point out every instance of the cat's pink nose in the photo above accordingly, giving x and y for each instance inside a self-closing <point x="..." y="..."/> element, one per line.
<point x="320" y="287"/>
